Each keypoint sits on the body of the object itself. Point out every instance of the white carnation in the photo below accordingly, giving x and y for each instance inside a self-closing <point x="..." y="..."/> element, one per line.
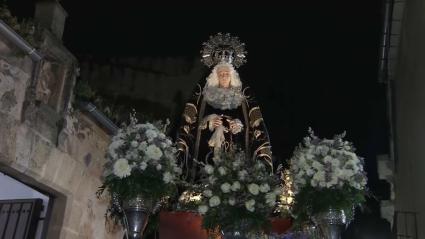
<point x="134" y="144"/>
<point x="236" y="186"/>
<point x="264" y="188"/>
<point x="232" y="201"/>
<point x="319" y="176"/>
<point x="318" y="166"/>
<point x="167" y="177"/>
<point x="153" y="152"/>
<point x="151" y="134"/>
<point x="121" y="168"/>
<point x="214" y="201"/>
<point x="143" y="165"/>
<point x="142" y="146"/>
<point x="207" y="193"/>
<point x="242" y="174"/>
<point x="225" y="187"/>
<point x="114" y="146"/>
<point x="222" y="170"/>
<point x="250" y="205"/>
<point x="158" y="167"/>
<point x="202" y="209"/>
<point x="209" y="169"/>
<point x="253" y="188"/>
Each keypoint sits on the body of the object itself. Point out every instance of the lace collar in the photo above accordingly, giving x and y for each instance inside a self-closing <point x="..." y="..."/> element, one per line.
<point x="223" y="98"/>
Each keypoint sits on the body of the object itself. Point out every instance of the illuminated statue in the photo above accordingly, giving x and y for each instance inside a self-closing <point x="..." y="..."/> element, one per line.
<point x="222" y="115"/>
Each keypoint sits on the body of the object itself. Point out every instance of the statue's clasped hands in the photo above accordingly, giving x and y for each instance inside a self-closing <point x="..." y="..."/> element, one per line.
<point x="235" y="125"/>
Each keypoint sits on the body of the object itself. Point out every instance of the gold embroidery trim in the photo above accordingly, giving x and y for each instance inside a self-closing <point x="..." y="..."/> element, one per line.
<point x="255" y="117"/>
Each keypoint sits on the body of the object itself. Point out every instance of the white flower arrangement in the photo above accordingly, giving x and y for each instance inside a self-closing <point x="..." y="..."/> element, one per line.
<point x="141" y="161"/>
<point x="327" y="163"/>
<point x="237" y="189"/>
<point x="323" y="169"/>
<point x="138" y="147"/>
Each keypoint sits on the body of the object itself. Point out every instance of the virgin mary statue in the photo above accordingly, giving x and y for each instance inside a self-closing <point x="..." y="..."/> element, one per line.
<point x="222" y="115"/>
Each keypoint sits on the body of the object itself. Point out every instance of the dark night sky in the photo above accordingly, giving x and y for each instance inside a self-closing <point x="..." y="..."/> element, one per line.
<point x="311" y="64"/>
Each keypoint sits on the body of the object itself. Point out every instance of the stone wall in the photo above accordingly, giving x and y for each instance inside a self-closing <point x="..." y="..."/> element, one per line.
<point x="46" y="145"/>
<point x="410" y="115"/>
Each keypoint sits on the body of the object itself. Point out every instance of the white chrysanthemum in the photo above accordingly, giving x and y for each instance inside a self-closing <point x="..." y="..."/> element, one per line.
<point x="232" y="201"/>
<point x="333" y="161"/>
<point x="225" y="187"/>
<point x="114" y="146"/>
<point x="168" y="142"/>
<point x="222" y="170"/>
<point x="209" y="169"/>
<point x="207" y="193"/>
<point x="324" y="151"/>
<point x="250" y="205"/>
<point x="202" y="209"/>
<point x="121" y="168"/>
<point x="236" y="186"/>
<point x="314" y="183"/>
<point x="167" y="177"/>
<point x="158" y="167"/>
<point x="153" y="152"/>
<point x="214" y="201"/>
<point x="142" y="146"/>
<point x="253" y="188"/>
<point x="143" y="165"/>
<point x="242" y="174"/>
<point x="318" y="166"/>
<point x="151" y="134"/>
<point x="319" y="176"/>
<point x="134" y="144"/>
<point x="264" y="188"/>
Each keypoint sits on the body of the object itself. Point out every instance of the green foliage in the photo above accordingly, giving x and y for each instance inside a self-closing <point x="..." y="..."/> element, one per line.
<point x="235" y="218"/>
<point x="310" y="201"/>
<point x="149" y="183"/>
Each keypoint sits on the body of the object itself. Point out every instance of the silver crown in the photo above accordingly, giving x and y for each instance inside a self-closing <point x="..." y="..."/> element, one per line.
<point x="223" y="48"/>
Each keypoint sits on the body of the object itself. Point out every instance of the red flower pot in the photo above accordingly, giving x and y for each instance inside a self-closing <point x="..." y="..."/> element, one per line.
<point x="280" y="225"/>
<point x="181" y="225"/>
<point x="188" y="225"/>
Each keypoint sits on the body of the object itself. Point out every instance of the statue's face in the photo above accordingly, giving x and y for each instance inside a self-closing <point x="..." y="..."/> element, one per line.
<point x="223" y="75"/>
